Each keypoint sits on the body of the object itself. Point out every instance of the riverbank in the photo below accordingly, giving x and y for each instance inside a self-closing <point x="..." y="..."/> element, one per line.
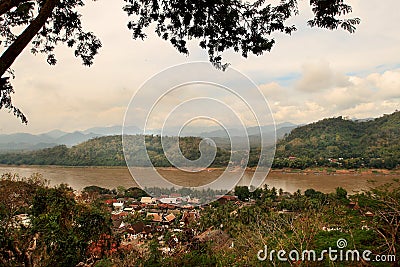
<point x="288" y="180"/>
<point x="318" y="170"/>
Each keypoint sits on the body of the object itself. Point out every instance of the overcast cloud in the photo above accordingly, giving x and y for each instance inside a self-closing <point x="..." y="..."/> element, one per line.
<point x="310" y="75"/>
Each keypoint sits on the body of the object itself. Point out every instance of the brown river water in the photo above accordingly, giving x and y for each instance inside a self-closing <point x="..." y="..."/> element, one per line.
<point x="112" y="177"/>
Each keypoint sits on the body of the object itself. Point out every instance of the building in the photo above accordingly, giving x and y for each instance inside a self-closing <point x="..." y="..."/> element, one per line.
<point x="118" y="206"/>
<point x="147" y="200"/>
<point x="169" y="200"/>
<point x="170" y="218"/>
<point x="226" y="199"/>
<point x="154" y="216"/>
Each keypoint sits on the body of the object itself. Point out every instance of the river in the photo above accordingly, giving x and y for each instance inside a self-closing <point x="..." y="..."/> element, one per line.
<point x="112" y="177"/>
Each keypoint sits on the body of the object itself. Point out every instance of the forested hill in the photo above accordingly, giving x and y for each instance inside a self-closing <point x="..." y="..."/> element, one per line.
<point x="338" y="141"/>
<point x="334" y="142"/>
<point x="100" y="151"/>
<point x="107" y="151"/>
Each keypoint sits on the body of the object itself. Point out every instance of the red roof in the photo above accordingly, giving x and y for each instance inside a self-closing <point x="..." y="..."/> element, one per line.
<point x="232" y="198"/>
<point x="110" y="201"/>
<point x="156" y="217"/>
<point x="105" y="245"/>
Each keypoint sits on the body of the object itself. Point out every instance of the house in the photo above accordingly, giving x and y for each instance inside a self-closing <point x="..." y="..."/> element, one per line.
<point x="194" y="201"/>
<point x="171" y="206"/>
<point x="334" y="161"/>
<point x="147" y="200"/>
<point x="369" y="214"/>
<point x="136" y="228"/>
<point x="169" y="200"/>
<point x="162" y="206"/>
<point x="139" y="230"/>
<point x="170" y="218"/>
<point x="285" y="194"/>
<point x="189" y="217"/>
<point x="351" y="205"/>
<point x="128" y="209"/>
<point x="118" y="206"/>
<point x="154" y="216"/>
<point x="136" y="205"/>
<point x="226" y="199"/>
<point x="110" y="201"/>
<point x="148" y="230"/>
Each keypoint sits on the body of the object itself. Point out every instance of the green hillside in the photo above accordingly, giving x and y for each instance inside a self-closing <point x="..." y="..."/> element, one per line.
<point x="338" y="141"/>
<point x="107" y="151"/>
<point x="334" y="142"/>
<point x="97" y="151"/>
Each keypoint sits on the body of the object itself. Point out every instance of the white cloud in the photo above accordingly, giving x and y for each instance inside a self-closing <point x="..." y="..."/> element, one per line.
<point x="318" y="77"/>
<point x="388" y="83"/>
<point x="363" y="97"/>
<point x="272" y="90"/>
<point x="71" y="97"/>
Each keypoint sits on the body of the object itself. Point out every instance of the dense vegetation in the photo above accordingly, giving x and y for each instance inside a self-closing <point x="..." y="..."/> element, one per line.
<point x="334" y="142"/>
<point x="312" y="220"/>
<point x="341" y="142"/>
<point x="64" y="227"/>
<point x="108" y="151"/>
<point x="56" y="227"/>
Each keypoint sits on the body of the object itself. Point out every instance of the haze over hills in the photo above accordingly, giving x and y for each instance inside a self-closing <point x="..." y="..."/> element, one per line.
<point x="27" y="142"/>
<point x="333" y="142"/>
<point x="285" y="127"/>
<point x="107" y="151"/>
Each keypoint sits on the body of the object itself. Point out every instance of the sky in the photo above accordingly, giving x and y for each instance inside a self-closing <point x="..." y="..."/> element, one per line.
<point x="308" y="76"/>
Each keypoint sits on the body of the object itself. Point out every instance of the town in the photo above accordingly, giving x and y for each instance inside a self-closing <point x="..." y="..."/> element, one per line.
<point x="47" y="226"/>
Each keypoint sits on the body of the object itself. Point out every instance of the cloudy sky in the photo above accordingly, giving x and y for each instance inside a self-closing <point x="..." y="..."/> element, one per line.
<point x="310" y="75"/>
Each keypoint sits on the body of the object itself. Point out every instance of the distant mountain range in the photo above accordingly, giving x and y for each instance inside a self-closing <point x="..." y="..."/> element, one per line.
<point x="29" y="142"/>
<point x="282" y="128"/>
<point x="26" y="141"/>
<point x="373" y="143"/>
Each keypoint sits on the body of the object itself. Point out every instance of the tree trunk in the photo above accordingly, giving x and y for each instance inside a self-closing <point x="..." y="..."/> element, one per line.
<point x="15" y="49"/>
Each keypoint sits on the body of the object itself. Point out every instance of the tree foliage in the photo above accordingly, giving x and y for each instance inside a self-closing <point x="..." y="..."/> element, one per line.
<point x="63" y="229"/>
<point x="46" y="24"/>
<point x="339" y="142"/>
<point x="245" y="27"/>
<point x="60" y="228"/>
<point x="333" y="143"/>
<point x="107" y="151"/>
<point x="219" y="25"/>
<point x="384" y="203"/>
<point x="309" y="221"/>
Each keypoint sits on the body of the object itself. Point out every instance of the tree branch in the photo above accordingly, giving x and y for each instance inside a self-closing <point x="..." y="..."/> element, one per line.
<point x="15" y="49"/>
